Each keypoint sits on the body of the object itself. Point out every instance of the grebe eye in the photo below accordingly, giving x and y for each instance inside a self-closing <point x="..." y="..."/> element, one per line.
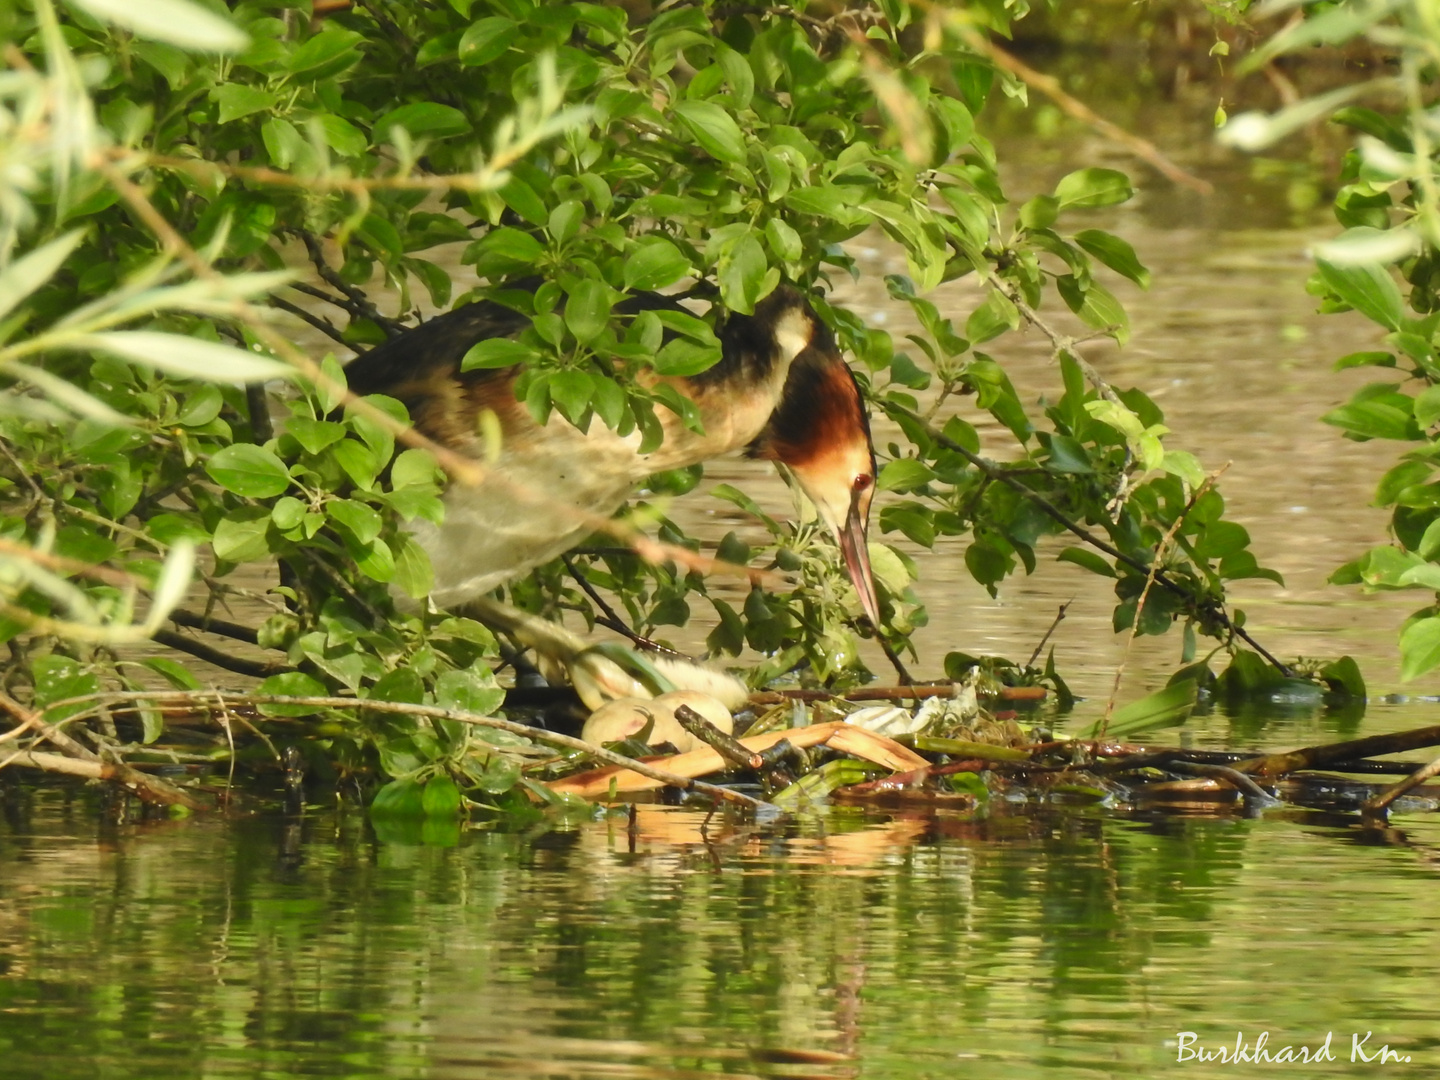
<point x="862" y="482"/>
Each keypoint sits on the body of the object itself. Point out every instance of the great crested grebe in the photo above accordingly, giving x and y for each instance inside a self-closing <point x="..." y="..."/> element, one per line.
<point x="780" y="389"/>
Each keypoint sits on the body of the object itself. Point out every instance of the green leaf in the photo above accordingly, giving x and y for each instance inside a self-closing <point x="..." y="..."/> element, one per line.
<point x="1370" y="359"/>
<point x="424" y="119"/>
<point x="904" y="474"/>
<point x="656" y="264"/>
<point x="587" y="311"/>
<point x="1221" y="538"/>
<point x="175" y="22"/>
<point x="509" y="247"/>
<point x="413" y="572"/>
<point x="241" y="535"/>
<point x="327" y="53"/>
<point x="362" y="522"/>
<point x="23" y="276"/>
<point x="1095" y="304"/>
<point x="249" y="470"/>
<point x="689" y="326"/>
<point x="992" y="318"/>
<point x="1369" y="289"/>
<point x="738" y="74"/>
<point x="177" y="675"/>
<point x="399" y="799"/>
<point x="570" y="391"/>
<point x="381" y="236"/>
<point x="487" y="40"/>
<point x="684" y="358"/>
<point x="520" y="197"/>
<point x="342" y="136"/>
<point x="314" y="435"/>
<point x="1039" y="212"/>
<point x="713" y="128"/>
<point x="238" y="100"/>
<point x="441" y="798"/>
<point x="1115" y="253"/>
<point x="1419" y="648"/>
<point x="825" y="200"/>
<point x="1087" y="559"/>
<point x="1343" y="676"/>
<point x="376" y="561"/>
<point x="496" y="353"/>
<point x="291" y="684"/>
<point x="743" y="276"/>
<point x="358" y="461"/>
<point x="413" y="466"/>
<point x="288" y="512"/>
<point x="1086" y="188"/>
<point x="465" y="691"/>
<point x="170" y="62"/>
<point x="1068" y="455"/>
<point x="785" y="242"/>
<point x="1374" y="419"/>
<point x="1164" y="708"/>
<point x="58" y="678"/>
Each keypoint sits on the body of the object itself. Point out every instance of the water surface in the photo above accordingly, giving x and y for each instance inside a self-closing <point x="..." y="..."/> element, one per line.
<point x="1011" y="945"/>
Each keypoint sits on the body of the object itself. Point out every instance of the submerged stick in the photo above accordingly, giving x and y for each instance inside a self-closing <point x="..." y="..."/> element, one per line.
<point x="1315" y="757"/>
<point x="1379" y="803"/>
<point x="1234" y="777"/>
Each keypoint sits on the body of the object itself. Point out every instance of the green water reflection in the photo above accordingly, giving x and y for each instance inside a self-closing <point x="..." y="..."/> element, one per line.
<point x="1014" y="945"/>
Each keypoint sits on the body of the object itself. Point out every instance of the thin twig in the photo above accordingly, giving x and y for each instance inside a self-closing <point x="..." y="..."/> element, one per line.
<point x="890" y="654"/>
<point x="1054" y="624"/>
<point x="1319" y="757"/>
<point x="229" y="738"/>
<point x="887" y="693"/>
<point x="608" y="618"/>
<point x="1051" y="88"/>
<point x="325" y="326"/>
<point x="359" y="304"/>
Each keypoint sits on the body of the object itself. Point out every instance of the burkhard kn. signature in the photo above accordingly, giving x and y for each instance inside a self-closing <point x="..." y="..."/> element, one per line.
<point x="1189" y="1048"/>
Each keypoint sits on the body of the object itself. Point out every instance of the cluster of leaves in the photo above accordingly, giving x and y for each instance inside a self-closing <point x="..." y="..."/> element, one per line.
<point x="1389" y="205"/>
<point x="591" y="156"/>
